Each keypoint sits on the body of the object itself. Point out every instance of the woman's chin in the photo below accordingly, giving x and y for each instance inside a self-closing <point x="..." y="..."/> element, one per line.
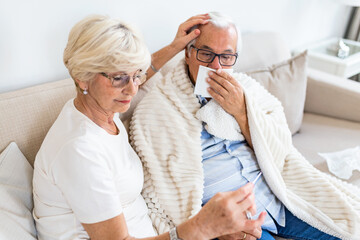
<point x="124" y="108"/>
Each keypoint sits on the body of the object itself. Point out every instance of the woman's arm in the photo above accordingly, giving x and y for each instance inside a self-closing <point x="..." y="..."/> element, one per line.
<point x="182" y="38"/>
<point x="223" y="214"/>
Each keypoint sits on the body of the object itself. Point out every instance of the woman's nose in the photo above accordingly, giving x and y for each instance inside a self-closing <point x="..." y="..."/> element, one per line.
<point x="131" y="88"/>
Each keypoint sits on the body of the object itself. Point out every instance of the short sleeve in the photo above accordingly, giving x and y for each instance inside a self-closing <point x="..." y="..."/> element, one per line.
<point x="82" y="172"/>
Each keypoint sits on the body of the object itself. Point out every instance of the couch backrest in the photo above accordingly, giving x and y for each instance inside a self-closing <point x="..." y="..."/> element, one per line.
<point x="261" y="49"/>
<point x="27" y="114"/>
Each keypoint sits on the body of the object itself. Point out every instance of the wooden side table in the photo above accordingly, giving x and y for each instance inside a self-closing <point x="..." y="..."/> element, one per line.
<point x="322" y="57"/>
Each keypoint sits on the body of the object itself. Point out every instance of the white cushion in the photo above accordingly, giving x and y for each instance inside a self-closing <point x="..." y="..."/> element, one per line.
<point x="16" y="202"/>
<point x="286" y="81"/>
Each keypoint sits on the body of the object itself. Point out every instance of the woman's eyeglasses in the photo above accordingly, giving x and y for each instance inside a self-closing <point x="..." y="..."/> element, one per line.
<point x="122" y="79"/>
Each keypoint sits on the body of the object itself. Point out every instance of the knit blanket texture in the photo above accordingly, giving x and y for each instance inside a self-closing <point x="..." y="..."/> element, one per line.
<point x="165" y="131"/>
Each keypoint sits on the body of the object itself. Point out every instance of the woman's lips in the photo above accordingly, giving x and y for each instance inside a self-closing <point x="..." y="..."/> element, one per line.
<point x="124" y="101"/>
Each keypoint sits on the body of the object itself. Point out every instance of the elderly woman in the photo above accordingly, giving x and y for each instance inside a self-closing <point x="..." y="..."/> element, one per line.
<point x="87" y="178"/>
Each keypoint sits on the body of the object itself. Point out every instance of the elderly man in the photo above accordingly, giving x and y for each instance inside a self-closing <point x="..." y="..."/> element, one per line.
<point x="194" y="147"/>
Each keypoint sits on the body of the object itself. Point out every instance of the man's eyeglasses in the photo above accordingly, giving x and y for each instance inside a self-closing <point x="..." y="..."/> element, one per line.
<point x="207" y="56"/>
<point x="122" y="79"/>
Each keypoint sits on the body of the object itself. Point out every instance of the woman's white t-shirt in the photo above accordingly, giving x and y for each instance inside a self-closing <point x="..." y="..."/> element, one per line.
<point x="82" y="174"/>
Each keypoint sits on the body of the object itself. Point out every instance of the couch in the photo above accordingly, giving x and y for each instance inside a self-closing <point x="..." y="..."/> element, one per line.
<point x="327" y="119"/>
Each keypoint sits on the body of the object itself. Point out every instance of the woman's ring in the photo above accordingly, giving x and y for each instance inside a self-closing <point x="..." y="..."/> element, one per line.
<point x="248" y="215"/>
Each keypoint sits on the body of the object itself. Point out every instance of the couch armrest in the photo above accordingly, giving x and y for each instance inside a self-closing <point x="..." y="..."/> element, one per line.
<point x="332" y="96"/>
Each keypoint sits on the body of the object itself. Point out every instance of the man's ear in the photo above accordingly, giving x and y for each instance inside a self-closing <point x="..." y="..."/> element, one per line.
<point x="187" y="55"/>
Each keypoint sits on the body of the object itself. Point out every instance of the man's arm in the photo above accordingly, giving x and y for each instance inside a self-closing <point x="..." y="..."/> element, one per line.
<point x="230" y="95"/>
<point x="242" y="120"/>
<point x="182" y="38"/>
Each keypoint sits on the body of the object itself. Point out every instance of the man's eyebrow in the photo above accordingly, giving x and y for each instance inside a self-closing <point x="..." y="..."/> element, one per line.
<point x="205" y="47"/>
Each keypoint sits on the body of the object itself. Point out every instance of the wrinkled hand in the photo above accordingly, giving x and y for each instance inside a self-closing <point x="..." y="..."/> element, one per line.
<point x="225" y="214"/>
<point x="227" y="92"/>
<point x="183" y="37"/>
<point x="240" y="235"/>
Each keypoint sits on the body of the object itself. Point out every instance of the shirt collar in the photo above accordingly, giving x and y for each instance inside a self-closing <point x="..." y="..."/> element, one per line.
<point x="202" y="100"/>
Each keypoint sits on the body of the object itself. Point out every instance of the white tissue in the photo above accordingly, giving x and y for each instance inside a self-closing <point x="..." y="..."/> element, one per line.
<point x="201" y="85"/>
<point x="342" y="163"/>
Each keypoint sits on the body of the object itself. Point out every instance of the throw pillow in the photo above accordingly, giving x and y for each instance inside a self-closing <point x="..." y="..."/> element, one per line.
<point x="16" y="221"/>
<point x="287" y="81"/>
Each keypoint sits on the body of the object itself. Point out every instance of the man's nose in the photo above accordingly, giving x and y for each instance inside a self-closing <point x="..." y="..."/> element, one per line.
<point x="215" y="64"/>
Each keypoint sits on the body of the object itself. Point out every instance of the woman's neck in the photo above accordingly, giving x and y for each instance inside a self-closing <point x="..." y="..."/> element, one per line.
<point x="88" y="105"/>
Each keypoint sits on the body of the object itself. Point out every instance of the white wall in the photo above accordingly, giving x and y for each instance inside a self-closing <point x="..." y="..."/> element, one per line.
<point x="33" y="33"/>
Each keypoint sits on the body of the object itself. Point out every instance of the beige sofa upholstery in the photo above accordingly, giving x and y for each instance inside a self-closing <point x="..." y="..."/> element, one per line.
<point x="27" y="114"/>
<point x="331" y="121"/>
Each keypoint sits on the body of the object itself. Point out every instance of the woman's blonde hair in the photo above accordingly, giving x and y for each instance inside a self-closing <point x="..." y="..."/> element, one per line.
<point x="101" y="44"/>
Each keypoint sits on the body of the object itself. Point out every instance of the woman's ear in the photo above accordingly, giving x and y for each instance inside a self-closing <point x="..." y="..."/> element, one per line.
<point x="81" y="84"/>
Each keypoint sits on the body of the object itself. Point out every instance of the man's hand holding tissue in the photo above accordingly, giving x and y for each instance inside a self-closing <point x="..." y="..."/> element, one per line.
<point x="227" y="92"/>
<point x="230" y="95"/>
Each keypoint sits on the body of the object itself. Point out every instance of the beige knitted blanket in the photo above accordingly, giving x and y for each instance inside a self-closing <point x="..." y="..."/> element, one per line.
<point x="165" y="133"/>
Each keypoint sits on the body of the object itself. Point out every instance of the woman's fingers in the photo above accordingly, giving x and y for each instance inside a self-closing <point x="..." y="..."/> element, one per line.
<point x="183" y="36"/>
<point x="252" y="210"/>
<point x="190" y="36"/>
<point x="204" y="16"/>
<point x="253" y="227"/>
<point x="186" y="26"/>
<point x="241" y="193"/>
<point x="225" y="214"/>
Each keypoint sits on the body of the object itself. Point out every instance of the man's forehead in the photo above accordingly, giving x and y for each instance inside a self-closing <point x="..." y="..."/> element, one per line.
<point x="212" y="36"/>
<point x="209" y="30"/>
<point x="206" y="47"/>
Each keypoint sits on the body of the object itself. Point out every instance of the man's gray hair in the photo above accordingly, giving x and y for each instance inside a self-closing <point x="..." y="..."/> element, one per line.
<point x="221" y="21"/>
